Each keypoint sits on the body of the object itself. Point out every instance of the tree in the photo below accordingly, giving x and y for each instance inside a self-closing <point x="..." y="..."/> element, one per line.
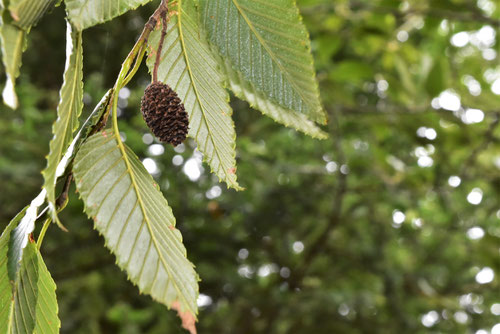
<point x="265" y="60"/>
<point x="388" y="226"/>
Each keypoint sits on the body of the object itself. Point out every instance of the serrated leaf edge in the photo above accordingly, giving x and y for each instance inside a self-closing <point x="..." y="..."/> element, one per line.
<point x="65" y="109"/>
<point x="234" y="184"/>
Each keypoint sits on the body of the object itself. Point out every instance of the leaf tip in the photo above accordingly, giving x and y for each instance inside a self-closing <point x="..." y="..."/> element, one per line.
<point x="188" y="318"/>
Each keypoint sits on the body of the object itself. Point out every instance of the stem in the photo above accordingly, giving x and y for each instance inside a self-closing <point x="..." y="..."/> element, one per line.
<point x="45" y="226"/>
<point x="137" y="64"/>
<point x="137" y="53"/>
<point x="62" y="200"/>
<point x="162" y="38"/>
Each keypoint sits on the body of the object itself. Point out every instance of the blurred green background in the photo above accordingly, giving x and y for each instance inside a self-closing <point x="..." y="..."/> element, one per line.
<point x="392" y="225"/>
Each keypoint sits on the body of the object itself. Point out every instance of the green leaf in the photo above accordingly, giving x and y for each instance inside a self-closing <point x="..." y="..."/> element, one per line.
<point x="268" y="44"/>
<point x="87" y="13"/>
<point x="47" y="320"/>
<point x="26" y="13"/>
<point x="138" y="225"/>
<point x="245" y="90"/>
<point x="5" y="285"/>
<point x="13" y="44"/>
<point x="27" y="304"/>
<point x="68" y="111"/>
<point x="188" y="66"/>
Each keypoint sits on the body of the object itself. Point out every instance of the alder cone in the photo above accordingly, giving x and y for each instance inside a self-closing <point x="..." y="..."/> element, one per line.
<point x="164" y="113"/>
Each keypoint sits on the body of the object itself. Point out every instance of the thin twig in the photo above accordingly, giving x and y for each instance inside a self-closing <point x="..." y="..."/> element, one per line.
<point x="135" y="55"/>
<point x="160" y="12"/>
<point x="62" y="200"/>
<point x="41" y="236"/>
<point x="163" y="15"/>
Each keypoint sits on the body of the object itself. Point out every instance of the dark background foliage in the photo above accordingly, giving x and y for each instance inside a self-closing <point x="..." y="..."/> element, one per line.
<point x="364" y="232"/>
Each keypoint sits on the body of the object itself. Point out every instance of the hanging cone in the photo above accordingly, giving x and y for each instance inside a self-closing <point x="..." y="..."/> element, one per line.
<point x="164" y="113"/>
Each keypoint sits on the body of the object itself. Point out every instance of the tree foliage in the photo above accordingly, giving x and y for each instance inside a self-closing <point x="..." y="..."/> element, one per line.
<point x="389" y="225"/>
<point x="119" y="194"/>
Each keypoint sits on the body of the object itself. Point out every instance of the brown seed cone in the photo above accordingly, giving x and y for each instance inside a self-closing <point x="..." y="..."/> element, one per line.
<point x="164" y="113"/>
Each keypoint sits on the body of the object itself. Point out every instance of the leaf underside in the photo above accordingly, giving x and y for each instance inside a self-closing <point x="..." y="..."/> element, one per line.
<point x="268" y="44"/>
<point x="87" y="13"/>
<point x="68" y="111"/>
<point x="189" y="67"/>
<point x="138" y="225"/>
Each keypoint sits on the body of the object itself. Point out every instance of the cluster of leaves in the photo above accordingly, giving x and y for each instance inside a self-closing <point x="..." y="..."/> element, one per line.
<point x="359" y="271"/>
<point x="263" y="59"/>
